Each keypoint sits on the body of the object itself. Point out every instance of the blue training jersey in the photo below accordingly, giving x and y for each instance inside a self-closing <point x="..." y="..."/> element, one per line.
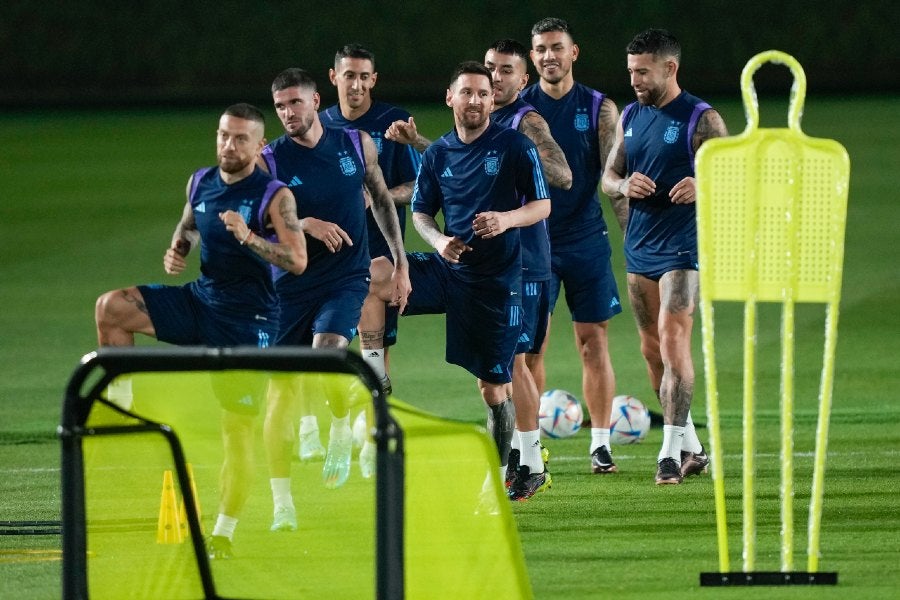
<point x="576" y="212"/>
<point x="327" y="182"/>
<point x="535" y="238"/>
<point x="233" y="278"/>
<point x="658" y="143"/>
<point x="493" y="173"/>
<point x="399" y="163"/>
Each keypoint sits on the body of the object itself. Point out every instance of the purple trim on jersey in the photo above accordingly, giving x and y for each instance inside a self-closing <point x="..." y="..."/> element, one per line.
<point x="269" y="157"/>
<point x="195" y="181"/>
<point x="595" y="105"/>
<point x="627" y="112"/>
<point x="271" y="189"/>
<point x="354" y="136"/>
<point x="519" y="115"/>
<point x="692" y="126"/>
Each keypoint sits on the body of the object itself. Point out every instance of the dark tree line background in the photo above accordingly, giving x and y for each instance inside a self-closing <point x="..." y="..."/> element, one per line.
<point x="178" y="52"/>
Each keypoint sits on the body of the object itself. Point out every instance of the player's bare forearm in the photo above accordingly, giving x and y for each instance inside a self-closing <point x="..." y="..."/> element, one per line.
<point x="428" y="228"/>
<point x="553" y="160"/>
<point x="490" y="224"/>
<point x="402" y="194"/>
<point x="613" y="182"/>
<point x="405" y="132"/>
<point x="710" y="125"/>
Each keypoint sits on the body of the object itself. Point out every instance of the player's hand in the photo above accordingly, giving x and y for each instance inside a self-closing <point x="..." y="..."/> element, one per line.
<point x="451" y="248"/>
<point x="637" y="185"/>
<point x="401" y="287"/>
<point x="327" y="232"/>
<point x="684" y="192"/>
<point x="489" y="224"/>
<point x="173" y="261"/>
<point x="234" y="222"/>
<point x="403" y="132"/>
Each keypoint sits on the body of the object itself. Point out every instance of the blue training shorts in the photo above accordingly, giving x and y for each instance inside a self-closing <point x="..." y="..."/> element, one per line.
<point x="179" y="317"/>
<point x="535" y="316"/>
<point x="482" y="324"/>
<point x="586" y="273"/>
<point x="334" y="308"/>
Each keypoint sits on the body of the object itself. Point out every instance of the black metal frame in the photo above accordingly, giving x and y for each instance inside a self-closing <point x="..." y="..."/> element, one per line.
<point x="81" y="394"/>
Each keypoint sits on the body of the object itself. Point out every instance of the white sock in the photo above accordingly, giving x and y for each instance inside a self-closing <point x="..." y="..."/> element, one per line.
<point x="374" y="357"/>
<point x="599" y="437"/>
<point x="340" y="428"/>
<point x="225" y="526"/>
<point x="691" y="441"/>
<point x="531" y="451"/>
<point x="515" y="443"/>
<point x="673" y="437"/>
<point x="119" y="392"/>
<point x="281" y="492"/>
<point x="308" y="423"/>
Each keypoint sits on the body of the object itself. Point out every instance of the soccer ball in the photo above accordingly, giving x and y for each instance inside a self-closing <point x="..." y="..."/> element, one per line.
<point x="359" y="430"/>
<point x="629" y="421"/>
<point x="560" y="414"/>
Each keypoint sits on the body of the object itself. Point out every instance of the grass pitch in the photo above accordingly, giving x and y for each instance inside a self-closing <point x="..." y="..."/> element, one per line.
<point x="89" y="204"/>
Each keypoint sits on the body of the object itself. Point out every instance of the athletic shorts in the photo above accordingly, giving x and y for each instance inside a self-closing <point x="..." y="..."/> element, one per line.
<point x="482" y="324"/>
<point x="180" y="318"/>
<point x="689" y="263"/>
<point x="535" y="316"/>
<point x="335" y="308"/>
<point x="587" y="276"/>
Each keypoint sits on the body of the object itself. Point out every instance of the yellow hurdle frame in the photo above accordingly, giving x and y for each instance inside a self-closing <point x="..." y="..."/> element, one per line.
<point x="771" y="215"/>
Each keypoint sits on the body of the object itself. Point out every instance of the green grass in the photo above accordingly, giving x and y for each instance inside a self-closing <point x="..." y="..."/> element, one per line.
<point x="89" y="203"/>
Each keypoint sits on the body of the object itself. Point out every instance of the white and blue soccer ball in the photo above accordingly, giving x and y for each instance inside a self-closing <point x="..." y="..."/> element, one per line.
<point x="629" y="420"/>
<point x="560" y="414"/>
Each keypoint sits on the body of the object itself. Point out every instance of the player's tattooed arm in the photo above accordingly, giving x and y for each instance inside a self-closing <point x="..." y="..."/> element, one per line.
<point x="615" y="178"/>
<point x="382" y="202"/>
<point x="710" y="125"/>
<point x="289" y="252"/>
<point x="607" y="136"/>
<point x="553" y="160"/>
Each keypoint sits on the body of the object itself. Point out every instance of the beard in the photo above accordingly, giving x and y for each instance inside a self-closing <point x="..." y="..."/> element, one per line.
<point x="232" y="164"/>
<point x="651" y="97"/>
<point x="301" y="127"/>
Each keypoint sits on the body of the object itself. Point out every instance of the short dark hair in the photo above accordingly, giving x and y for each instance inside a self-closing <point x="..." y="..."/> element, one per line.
<point x="242" y="110"/>
<point x="293" y="77"/>
<point x="354" y="51"/>
<point x="510" y="46"/>
<point x="552" y="24"/>
<point x="469" y="67"/>
<point x="658" y="42"/>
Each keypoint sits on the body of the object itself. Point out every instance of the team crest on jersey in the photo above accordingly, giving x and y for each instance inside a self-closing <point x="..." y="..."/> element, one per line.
<point x="348" y="167"/>
<point x="376" y="137"/>
<point x="492" y="163"/>
<point x="671" y="134"/>
<point x="582" y="121"/>
<point x="246" y="210"/>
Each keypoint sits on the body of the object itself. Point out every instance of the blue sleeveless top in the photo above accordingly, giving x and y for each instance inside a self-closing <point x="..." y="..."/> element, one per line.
<point x="233" y="278"/>
<point x="576" y="212"/>
<point x="660" y="234"/>
<point x="327" y="182"/>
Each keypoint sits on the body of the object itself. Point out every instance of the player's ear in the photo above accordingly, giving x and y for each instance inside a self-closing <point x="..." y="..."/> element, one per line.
<point x="449" y="97"/>
<point x="575" y="52"/>
<point x="373" y="79"/>
<point x="332" y="77"/>
<point x="316" y="100"/>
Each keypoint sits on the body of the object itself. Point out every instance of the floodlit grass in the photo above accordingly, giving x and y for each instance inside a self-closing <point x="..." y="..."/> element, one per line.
<point x="89" y="204"/>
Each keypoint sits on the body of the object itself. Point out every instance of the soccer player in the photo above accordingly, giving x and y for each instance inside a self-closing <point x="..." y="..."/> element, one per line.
<point x="652" y="166"/>
<point x="354" y="76"/>
<point x="582" y="121"/>
<point x="246" y="221"/>
<point x="487" y="181"/>
<point x="507" y="60"/>
<point x="326" y="168"/>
